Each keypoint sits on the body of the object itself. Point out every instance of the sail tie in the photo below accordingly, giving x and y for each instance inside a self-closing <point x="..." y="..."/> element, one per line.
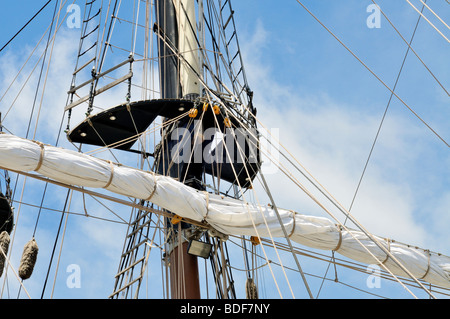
<point x="293" y="226"/>
<point x="154" y="188"/>
<point x="41" y="156"/>
<point x="429" y="264"/>
<point x="339" y="227"/>
<point x="207" y="206"/>
<point x="111" y="164"/>
<point x="389" y="250"/>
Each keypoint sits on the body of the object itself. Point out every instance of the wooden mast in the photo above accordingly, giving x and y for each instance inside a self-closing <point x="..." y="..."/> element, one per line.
<point x="183" y="268"/>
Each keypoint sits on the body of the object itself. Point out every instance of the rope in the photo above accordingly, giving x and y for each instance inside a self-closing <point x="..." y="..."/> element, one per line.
<point x="153" y="191"/>
<point x="340" y="238"/>
<point x="389" y="250"/>
<point x="429" y="21"/>
<point x="32" y="18"/>
<point x="111" y="176"/>
<point x="293" y="224"/>
<point x="42" y="68"/>
<point x="429" y="265"/>
<point x="440" y="19"/>
<point x="56" y="241"/>
<point x="374" y="74"/>
<point x="207" y="205"/>
<point x="41" y="156"/>
<point x="253" y="223"/>
<point x="370" y="236"/>
<point x="384" y="114"/>
<point x="412" y="50"/>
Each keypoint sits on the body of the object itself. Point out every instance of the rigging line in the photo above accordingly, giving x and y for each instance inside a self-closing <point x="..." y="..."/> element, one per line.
<point x="435" y="14"/>
<point x="32" y="18"/>
<point x="238" y="46"/>
<point x="143" y="151"/>
<point x="29" y="76"/>
<point x="243" y="198"/>
<point x="74" y="213"/>
<point x="295" y="180"/>
<point x="24" y="64"/>
<point x="108" y="35"/>
<point x="205" y="57"/>
<point x="109" y="209"/>
<point x="343" y="210"/>
<point x="146" y="132"/>
<point x="373" y="73"/>
<point x="107" y="197"/>
<point x="278" y="216"/>
<point x="61" y="246"/>
<point x="42" y="67"/>
<point x="428" y="21"/>
<point x="385" y="112"/>
<point x="40" y="209"/>
<point x="43" y="90"/>
<point x="48" y="70"/>
<point x="172" y="161"/>
<point x="357" y="268"/>
<point x="144" y="267"/>
<point x="17" y="220"/>
<point x="250" y="215"/>
<point x="98" y="47"/>
<point x="286" y="235"/>
<point x="229" y="70"/>
<point x="15" y="273"/>
<point x="226" y="47"/>
<point x="135" y="28"/>
<point x="368" y="234"/>
<point x="409" y="46"/>
<point x="197" y="136"/>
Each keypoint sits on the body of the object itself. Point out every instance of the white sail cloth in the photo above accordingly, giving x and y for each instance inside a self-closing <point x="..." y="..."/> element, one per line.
<point x="227" y="215"/>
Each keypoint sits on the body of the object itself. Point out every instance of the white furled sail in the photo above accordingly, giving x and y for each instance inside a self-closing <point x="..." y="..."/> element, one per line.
<point x="229" y="216"/>
<point x="187" y="46"/>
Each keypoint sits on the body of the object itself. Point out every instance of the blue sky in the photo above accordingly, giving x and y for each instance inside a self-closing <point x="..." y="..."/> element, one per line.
<point x="325" y="105"/>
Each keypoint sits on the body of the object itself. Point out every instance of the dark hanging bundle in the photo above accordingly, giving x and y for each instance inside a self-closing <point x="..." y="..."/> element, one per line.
<point x="28" y="260"/>
<point x="6" y="214"/>
<point x="4" y="245"/>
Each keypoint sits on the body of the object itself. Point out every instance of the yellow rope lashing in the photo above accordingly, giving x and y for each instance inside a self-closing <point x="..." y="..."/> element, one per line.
<point x="176" y="219"/>
<point x="193" y="113"/>
<point x="255" y="240"/>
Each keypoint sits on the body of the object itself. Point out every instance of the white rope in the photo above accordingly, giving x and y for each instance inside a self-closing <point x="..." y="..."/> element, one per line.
<point x="428" y="21"/>
<point x="440" y="19"/>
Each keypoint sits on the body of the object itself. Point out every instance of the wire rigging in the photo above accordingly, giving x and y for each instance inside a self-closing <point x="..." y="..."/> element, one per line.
<point x="230" y="112"/>
<point x="374" y="74"/>
<point x="384" y="114"/>
<point x="31" y="19"/>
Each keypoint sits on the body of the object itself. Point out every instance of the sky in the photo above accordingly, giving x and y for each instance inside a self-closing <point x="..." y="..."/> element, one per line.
<point x="325" y="106"/>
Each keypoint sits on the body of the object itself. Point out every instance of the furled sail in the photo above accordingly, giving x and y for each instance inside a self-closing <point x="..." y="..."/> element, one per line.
<point x="227" y="215"/>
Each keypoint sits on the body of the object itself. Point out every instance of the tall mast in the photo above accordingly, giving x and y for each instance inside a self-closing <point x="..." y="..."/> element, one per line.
<point x="179" y="63"/>
<point x="203" y="89"/>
